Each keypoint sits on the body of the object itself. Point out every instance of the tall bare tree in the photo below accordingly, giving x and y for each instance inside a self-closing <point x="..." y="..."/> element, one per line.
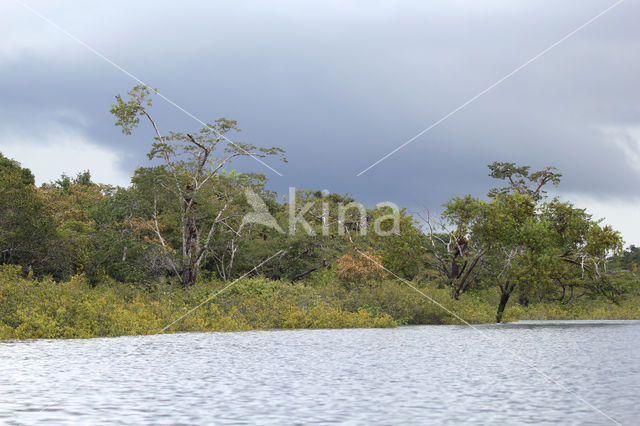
<point x="191" y="164"/>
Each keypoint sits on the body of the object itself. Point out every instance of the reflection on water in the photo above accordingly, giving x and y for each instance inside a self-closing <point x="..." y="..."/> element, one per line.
<point x="442" y="374"/>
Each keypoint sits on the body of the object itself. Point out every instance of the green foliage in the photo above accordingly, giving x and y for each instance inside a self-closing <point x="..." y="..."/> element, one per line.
<point x="65" y="181"/>
<point x="45" y="308"/>
<point x="27" y="231"/>
<point x="542" y="249"/>
<point x="184" y="186"/>
<point x="522" y="181"/>
<point x="128" y="112"/>
<point x="402" y="252"/>
<point x="629" y="259"/>
<point x="10" y="167"/>
<point x="80" y="259"/>
<point x="76" y="309"/>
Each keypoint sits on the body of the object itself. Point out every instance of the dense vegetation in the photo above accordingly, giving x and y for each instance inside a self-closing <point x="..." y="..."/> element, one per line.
<point x="81" y="259"/>
<point x="45" y="308"/>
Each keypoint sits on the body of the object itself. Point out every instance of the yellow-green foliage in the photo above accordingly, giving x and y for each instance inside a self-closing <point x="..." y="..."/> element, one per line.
<point x="585" y="309"/>
<point x="75" y="309"/>
<point x="480" y="307"/>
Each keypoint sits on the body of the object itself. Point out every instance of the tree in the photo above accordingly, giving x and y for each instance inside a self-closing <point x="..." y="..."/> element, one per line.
<point x="455" y="250"/>
<point x="398" y="250"/>
<point x="232" y="242"/>
<point x="519" y="241"/>
<point x="543" y="248"/>
<point x="65" y="181"/>
<point x="517" y="244"/>
<point x="26" y="229"/>
<point x="96" y="233"/>
<point x="522" y="181"/>
<point x="630" y="258"/>
<point x="186" y="177"/>
<point x="313" y="242"/>
<point x="9" y="166"/>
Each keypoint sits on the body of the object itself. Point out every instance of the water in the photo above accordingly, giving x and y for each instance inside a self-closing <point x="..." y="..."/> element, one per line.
<point x="534" y="372"/>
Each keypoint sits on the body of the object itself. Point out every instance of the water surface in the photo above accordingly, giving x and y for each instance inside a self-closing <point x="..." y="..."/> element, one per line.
<point x="527" y="372"/>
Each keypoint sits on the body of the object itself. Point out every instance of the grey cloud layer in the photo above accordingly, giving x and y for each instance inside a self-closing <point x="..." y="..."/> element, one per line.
<point x="338" y="86"/>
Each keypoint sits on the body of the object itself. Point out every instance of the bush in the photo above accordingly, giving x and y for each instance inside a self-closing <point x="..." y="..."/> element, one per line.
<point x="362" y="269"/>
<point x="75" y="309"/>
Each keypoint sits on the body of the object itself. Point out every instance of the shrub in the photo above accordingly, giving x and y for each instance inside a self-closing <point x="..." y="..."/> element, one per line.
<point x="75" y="309"/>
<point x="360" y="269"/>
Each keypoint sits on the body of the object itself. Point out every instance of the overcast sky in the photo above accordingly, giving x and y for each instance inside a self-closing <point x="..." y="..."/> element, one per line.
<point x="339" y="84"/>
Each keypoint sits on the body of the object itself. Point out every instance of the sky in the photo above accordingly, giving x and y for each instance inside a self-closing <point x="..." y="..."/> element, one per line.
<point x="338" y="85"/>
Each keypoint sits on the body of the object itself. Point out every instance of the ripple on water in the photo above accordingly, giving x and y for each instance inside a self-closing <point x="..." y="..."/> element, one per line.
<point x="525" y="372"/>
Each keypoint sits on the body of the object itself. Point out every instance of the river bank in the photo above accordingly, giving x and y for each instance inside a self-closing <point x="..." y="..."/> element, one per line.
<point x="47" y="309"/>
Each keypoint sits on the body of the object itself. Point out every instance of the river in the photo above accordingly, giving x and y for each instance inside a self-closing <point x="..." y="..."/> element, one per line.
<point x="543" y="372"/>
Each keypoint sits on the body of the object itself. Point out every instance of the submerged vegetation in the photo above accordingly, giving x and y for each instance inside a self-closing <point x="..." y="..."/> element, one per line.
<point x="81" y="259"/>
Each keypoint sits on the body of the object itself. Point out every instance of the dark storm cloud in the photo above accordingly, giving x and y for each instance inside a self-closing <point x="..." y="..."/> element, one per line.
<point x="338" y="85"/>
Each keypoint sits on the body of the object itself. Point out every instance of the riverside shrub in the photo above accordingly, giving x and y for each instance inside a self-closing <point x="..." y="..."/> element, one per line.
<point x="75" y="309"/>
<point x="45" y="308"/>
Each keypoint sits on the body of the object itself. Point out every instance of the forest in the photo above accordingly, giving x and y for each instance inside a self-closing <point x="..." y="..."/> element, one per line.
<point x="195" y="245"/>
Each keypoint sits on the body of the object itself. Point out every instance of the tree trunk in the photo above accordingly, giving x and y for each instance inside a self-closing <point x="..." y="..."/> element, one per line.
<point x="189" y="275"/>
<point x="460" y="282"/>
<point x="454" y="275"/>
<point x="191" y="263"/>
<point x="455" y="292"/>
<point x="523" y="300"/>
<point x="454" y="271"/>
<point x="504" y="298"/>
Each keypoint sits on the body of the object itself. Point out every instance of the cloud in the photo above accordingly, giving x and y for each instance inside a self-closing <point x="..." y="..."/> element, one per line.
<point x="338" y="84"/>
<point x="63" y="150"/>
<point x="627" y="140"/>
<point x="621" y="215"/>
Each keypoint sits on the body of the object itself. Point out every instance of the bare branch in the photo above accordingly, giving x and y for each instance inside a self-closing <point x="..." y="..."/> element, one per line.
<point x="166" y="155"/>
<point x="156" y="229"/>
<point x="205" y="246"/>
